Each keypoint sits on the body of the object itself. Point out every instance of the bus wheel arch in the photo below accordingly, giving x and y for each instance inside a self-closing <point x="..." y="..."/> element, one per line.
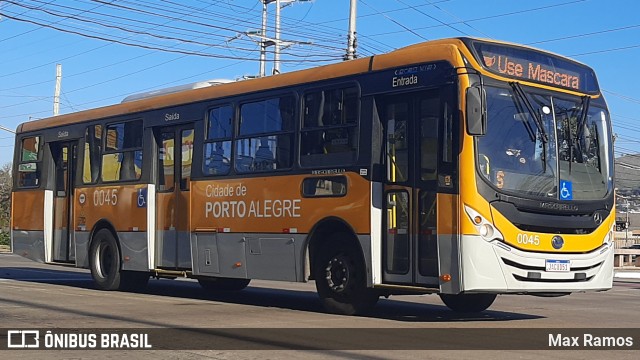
<point x="323" y="230"/>
<point x="105" y="261"/>
<point x="338" y="266"/>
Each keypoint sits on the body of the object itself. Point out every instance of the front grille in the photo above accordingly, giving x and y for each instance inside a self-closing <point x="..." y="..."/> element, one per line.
<point x="542" y="269"/>
<point x="574" y="280"/>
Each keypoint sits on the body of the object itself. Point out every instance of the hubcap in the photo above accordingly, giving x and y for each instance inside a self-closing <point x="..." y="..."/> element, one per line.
<point x="337" y="274"/>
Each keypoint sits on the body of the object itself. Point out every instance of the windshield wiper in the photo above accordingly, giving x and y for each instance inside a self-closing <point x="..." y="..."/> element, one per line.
<point x="536" y="117"/>
<point x="583" y="116"/>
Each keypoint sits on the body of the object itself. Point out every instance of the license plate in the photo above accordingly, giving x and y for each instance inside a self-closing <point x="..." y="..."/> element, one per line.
<point x="558" y="265"/>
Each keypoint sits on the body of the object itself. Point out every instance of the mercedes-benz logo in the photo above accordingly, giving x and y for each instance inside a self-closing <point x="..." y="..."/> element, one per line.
<point x="557" y="242"/>
<point x="597" y="218"/>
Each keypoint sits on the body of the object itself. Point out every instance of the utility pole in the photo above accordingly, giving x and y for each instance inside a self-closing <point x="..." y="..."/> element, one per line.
<point x="351" y="36"/>
<point x="276" y="42"/>
<point x="263" y="43"/>
<point x="56" y="95"/>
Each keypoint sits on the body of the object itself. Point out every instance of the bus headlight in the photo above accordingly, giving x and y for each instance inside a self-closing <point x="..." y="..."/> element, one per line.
<point x="484" y="227"/>
<point x="608" y="240"/>
<point x="486" y="231"/>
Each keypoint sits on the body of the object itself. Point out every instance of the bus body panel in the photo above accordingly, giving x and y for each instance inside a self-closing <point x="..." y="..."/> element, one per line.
<point x="542" y="242"/>
<point x="28" y="217"/>
<point x="251" y="256"/>
<point x="496" y="267"/>
<point x="124" y="208"/>
<point x="276" y="204"/>
<point x="117" y="203"/>
<point x="29" y="222"/>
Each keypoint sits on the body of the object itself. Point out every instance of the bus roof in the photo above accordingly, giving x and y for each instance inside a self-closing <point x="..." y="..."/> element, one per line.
<point x="412" y="54"/>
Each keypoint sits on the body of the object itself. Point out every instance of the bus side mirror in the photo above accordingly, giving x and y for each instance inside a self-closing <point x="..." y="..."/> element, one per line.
<point x="476" y="111"/>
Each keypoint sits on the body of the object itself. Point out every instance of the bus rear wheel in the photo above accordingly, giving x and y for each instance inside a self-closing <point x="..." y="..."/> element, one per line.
<point x="468" y="303"/>
<point x="105" y="264"/>
<point x="339" y="273"/>
<point x="104" y="260"/>
<point x="223" y="284"/>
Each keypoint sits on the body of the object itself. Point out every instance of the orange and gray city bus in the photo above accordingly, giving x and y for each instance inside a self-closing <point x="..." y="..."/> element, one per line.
<point x="460" y="167"/>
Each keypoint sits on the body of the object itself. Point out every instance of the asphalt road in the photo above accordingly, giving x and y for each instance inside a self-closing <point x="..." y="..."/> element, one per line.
<point x="37" y="296"/>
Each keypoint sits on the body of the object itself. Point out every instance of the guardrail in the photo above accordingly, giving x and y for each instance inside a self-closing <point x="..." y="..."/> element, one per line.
<point x="622" y="257"/>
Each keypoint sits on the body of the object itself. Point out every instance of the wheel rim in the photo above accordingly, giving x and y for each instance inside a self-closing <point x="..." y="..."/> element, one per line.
<point x="338" y="274"/>
<point x="104" y="260"/>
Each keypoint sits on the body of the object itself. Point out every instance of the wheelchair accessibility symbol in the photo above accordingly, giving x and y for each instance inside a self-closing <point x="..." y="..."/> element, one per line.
<point x="566" y="190"/>
<point x="142" y="197"/>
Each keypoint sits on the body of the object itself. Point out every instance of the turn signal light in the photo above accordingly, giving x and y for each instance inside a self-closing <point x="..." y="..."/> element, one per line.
<point x="445" y="277"/>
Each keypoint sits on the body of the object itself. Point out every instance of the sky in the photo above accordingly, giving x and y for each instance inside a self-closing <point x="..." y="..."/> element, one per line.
<point x="109" y="49"/>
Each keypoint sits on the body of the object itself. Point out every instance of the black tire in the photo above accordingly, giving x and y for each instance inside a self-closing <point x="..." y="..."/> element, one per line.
<point x="104" y="260"/>
<point x="340" y="276"/>
<point x="105" y="264"/>
<point x="468" y="303"/>
<point x="223" y="284"/>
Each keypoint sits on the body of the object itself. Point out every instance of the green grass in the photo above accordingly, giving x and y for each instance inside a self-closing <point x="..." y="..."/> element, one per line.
<point x="5" y="238"/>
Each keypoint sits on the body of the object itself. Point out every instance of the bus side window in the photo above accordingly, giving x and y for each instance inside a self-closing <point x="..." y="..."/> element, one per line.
<point x="330" y="127"/>
<point x="217" y="147"/>
<point x="265" y="138"/>
<point x="122" y="156"/>
<point x="333" y="186"/>
<point x="29" y="166"/>
<point x="92" y="151"/>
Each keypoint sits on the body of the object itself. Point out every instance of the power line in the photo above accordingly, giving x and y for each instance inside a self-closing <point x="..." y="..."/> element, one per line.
<point x="150" y="47"/>
<point x="606" y="50"/>
<point x="585" y="34"/>
<point x="432" y="17"/>
<point x="394" y="21"/>
<point x="490" y="16"/>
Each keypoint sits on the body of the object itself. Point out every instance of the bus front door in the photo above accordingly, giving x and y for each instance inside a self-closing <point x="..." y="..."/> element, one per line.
<point x="175" y="149"/>
<point x="410" y="190"/>
<point x="64" y="158"/>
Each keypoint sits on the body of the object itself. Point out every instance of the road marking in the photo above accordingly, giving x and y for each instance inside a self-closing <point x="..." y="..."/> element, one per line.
<point x="45" y="279"/>
<point x="627" y="274"/>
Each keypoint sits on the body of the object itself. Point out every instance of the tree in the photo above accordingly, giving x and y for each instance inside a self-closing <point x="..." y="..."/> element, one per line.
<point x="5" y="203"/>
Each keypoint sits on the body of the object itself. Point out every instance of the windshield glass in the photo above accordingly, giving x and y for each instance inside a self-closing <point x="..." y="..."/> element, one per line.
<point x="545" y="146"/>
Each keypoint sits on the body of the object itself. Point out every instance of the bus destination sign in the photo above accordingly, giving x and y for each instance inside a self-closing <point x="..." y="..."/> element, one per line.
<point x="529" y="70"/>
<point x="531" y="65"/>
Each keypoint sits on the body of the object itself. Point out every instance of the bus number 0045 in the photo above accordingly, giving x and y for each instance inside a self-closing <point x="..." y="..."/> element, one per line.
<point x="105" y="197"/>
<point x="528" y="239"/>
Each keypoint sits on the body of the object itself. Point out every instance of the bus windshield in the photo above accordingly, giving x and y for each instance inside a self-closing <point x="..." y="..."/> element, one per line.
<point x="543" y="146"/>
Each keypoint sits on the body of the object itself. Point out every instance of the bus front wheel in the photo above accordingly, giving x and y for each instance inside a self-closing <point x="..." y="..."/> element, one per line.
<point x="339" y="273"/>
<point x="468" y="303"/>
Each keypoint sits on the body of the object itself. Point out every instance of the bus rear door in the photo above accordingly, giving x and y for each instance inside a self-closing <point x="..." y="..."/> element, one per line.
<point x="175" y="149"/>
<point x="64" y="158"/>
